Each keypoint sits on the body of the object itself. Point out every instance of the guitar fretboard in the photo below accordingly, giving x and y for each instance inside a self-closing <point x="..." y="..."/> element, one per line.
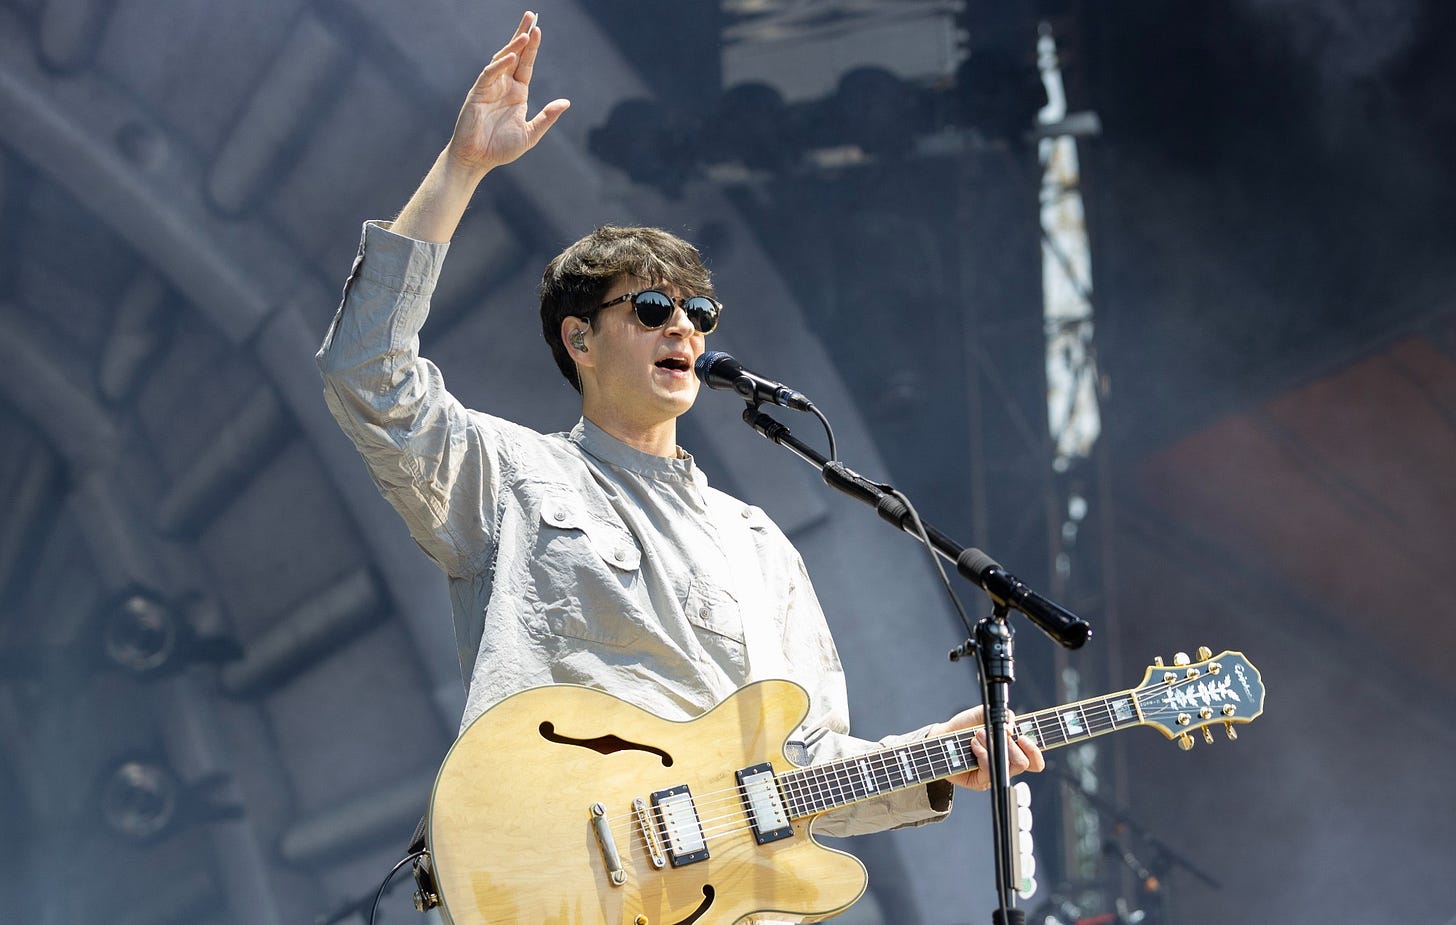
<point x="823" y="787"/>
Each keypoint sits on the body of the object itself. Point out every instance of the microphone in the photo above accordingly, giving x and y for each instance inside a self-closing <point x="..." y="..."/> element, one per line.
<point x="718" y="370"/>
<point x="1065" y="627"/>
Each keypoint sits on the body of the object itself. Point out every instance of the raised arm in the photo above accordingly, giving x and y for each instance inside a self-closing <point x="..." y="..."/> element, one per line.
<point x="437" y="463"/>
<point x="491" y="130"/>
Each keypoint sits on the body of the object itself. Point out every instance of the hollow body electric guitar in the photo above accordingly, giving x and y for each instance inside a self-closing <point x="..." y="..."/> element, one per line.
<point x="567" y="806"/>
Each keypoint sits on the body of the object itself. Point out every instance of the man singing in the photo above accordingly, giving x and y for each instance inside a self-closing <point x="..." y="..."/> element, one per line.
<point x="600" y="556"/>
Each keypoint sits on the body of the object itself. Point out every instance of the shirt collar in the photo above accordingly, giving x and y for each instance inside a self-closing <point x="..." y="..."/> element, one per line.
<point x="603" y="446"/>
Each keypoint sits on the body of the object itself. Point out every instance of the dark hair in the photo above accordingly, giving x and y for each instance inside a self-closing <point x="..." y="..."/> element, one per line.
<point x="577" y="280"/>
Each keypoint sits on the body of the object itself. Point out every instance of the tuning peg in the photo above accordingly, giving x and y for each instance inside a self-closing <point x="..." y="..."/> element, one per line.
<point x="1232" y="732"/>
<point x="1207" y="735"/>
<point x="1181" y="658"/>
<point x="1185" y="741"/>
<point x="1204" y="653"/>
<point x="1158" y="662"/>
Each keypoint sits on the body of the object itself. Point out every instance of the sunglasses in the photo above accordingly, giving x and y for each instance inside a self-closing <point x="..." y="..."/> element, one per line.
<point x="654" y="309"/>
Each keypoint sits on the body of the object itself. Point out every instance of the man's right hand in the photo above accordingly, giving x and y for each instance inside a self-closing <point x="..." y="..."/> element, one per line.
<point x="492" y="128"/>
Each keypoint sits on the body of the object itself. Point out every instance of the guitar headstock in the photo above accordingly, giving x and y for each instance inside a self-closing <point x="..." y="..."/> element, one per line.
<point x="1187" y="695"/>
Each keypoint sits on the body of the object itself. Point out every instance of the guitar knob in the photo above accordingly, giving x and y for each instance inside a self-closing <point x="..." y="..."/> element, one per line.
<point x="1204" y="653"/>
<point x="1185" y="741"/>
<point x="1232" y="732"/>
<point x="1181" y="658"/>
<point x="1207" y="735"/>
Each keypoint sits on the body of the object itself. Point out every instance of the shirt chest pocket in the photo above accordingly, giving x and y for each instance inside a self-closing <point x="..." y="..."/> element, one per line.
<point x="710" y="608"/>
<point x="586" y="574"/>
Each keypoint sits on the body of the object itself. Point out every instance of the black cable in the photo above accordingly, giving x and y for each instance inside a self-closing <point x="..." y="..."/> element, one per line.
<point x="1002" y="915"/>
<point x="920" y="534"/>
<point x="833" y="447"/>
<point x="374" y="908"/>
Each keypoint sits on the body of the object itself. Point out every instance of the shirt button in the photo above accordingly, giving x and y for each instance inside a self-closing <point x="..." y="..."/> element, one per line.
<point x="620" y="555"/>
<point x="559" y="516"/>
<point x="747" y="513"/>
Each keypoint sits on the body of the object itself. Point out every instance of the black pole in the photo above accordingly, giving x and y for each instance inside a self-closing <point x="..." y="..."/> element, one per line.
<point x="994" y="654"/>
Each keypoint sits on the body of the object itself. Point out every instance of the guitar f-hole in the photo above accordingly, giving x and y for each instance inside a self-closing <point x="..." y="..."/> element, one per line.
<point x="605" y="745"/>
<point x="698" y="913"/>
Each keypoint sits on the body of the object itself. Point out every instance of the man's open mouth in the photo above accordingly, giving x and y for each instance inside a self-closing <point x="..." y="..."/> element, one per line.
<point x="674" y="363"/>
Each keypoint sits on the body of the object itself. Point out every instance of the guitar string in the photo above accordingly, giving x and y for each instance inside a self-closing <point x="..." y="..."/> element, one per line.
<point x="837" y="775"/>
<point x="880" y="761"/>
<point x="836" y="783"/>
<point x="737" y="821"/>
<point x="844" y="791"/>
<point x="839" y="778"/>
<point x="839" y="783"/>
<point x="838" y="788"/>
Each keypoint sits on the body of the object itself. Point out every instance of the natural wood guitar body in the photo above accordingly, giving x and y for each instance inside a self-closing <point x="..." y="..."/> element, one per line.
<point x="510" y="817"/>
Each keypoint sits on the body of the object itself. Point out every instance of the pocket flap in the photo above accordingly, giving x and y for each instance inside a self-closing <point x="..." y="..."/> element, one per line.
<point x="614" y="545"/>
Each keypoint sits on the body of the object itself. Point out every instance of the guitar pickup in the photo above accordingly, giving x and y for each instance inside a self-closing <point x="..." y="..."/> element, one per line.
<point x="682" y="832"/>
<point x="764" y="804"/>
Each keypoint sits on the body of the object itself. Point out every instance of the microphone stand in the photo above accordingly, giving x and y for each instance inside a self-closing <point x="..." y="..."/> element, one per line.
<point x="990" y="642"/>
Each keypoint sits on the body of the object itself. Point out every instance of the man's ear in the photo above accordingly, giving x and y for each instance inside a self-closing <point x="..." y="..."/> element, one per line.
<point x="573" y="335"/>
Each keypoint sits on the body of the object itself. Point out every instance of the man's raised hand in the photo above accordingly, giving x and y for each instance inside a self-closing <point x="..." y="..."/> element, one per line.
<point x="492" y="128"/>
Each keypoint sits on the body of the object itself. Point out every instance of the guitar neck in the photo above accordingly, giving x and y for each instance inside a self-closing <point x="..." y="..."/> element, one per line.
<point x="824" y="787"/>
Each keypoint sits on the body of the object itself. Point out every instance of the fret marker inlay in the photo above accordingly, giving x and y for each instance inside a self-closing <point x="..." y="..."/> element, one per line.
<point x="1122" y="709"/>
<point x="869" y="776"/>
<point x="906" y="765"/>
<point x="1072" y="721"/>
<point x="1028" y="729"/>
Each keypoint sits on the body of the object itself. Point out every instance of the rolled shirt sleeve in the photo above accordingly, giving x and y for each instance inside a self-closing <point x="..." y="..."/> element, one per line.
<point x="429" y="455"/>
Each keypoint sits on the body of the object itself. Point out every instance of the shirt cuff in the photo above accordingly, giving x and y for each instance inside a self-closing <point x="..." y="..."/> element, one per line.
<point x="397" y="262"/>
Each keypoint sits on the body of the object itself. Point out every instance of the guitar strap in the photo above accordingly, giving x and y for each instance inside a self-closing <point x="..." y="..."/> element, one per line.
<point x="762" y="635"/>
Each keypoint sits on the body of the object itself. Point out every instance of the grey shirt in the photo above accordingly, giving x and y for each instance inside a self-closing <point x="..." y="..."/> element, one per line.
<point x="573" y="557"/>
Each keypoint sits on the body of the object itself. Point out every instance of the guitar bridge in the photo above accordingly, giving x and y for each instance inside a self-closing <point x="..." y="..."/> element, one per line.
<point x="682" y="832"/>
<point x="649" y="833"/>
<point x="764" y="804"/>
